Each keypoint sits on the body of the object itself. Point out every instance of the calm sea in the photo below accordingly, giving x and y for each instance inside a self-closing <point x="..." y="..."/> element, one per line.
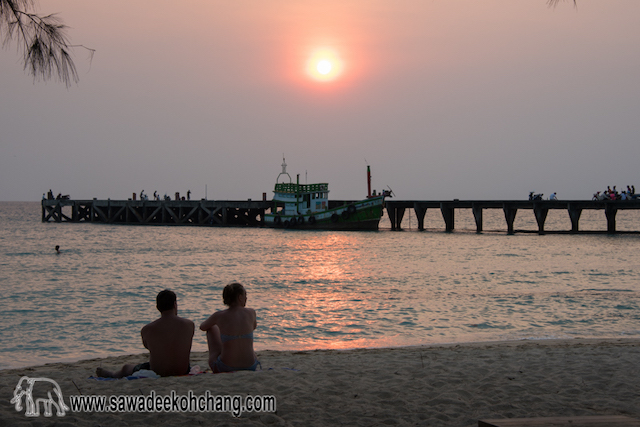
<point x="314" y="289"/>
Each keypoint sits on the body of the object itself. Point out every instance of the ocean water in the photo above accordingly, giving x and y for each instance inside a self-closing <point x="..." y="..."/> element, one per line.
<point x="314" y="289"/>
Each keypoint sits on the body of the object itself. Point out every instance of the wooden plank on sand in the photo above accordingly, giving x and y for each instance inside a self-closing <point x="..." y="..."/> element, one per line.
<point x="591" y="421"/>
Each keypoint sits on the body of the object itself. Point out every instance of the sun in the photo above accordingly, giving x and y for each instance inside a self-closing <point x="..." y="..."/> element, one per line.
<point x="324" y="65"/>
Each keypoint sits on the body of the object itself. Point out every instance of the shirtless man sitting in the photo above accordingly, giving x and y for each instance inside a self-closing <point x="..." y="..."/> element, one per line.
<point x="168" y="339"/>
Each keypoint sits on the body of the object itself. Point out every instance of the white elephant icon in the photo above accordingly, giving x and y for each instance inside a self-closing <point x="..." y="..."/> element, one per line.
<point x="34" y="395"/>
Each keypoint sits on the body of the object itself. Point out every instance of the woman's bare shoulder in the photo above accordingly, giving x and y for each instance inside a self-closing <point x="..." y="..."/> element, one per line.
<point x="212" y="320"/>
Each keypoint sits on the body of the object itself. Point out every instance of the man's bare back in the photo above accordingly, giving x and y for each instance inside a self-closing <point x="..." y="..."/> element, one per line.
<point x="168" y="339"/>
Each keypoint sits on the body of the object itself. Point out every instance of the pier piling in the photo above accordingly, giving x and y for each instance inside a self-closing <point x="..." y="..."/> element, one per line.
<point x="396" y="209"/>
<point x="510" y="215"/>
<point x="448" y="214"/>
<point x="477" y="215"/>
<point x="541" y="216"/>
<point x="610" y="211"/>
<point x="574" y="215"/>
<point x="420" y="214"/>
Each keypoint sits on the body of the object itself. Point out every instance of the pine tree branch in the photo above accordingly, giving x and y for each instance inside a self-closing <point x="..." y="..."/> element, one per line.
<point x="41" y="39"/>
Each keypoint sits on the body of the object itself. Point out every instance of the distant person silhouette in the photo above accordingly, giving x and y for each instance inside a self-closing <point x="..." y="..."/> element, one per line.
<point x="57" y="249"/>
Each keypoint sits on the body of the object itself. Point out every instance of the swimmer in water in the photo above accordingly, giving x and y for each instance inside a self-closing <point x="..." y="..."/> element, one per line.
<point x="57" y="249"/>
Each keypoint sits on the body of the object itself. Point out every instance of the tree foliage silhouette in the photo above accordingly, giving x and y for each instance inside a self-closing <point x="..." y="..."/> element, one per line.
<point x="555" y="2"/>
<point x="42" y="41"/>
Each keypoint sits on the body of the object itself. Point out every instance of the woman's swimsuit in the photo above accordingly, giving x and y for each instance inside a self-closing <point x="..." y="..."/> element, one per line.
<point x="226" y="338"/>
<point x="222" y="367"/>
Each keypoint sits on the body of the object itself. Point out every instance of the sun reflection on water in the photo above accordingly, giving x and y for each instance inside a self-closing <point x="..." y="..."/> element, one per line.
<point x="326" y="307"/>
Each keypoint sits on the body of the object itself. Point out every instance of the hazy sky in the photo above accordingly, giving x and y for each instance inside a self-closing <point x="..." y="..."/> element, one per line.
<point x="467" y="99"/>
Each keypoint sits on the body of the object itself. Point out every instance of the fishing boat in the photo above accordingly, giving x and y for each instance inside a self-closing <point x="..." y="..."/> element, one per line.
<point x="307" y="206"/>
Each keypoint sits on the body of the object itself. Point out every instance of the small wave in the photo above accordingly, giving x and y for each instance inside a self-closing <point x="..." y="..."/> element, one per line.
<point x="484" y="325"/>
<point x="606" y="290"/>
<point x="625" y="307"/>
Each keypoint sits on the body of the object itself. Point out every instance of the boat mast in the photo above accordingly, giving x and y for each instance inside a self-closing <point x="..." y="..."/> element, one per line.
<point x="284" y="171"/>
<point x="297" y="194"/>
<point x="369" y="181"/>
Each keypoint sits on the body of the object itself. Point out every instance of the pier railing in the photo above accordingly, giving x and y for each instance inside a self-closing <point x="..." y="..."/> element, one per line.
<point x="396" y="210"/>
<point x="301" y="188"/>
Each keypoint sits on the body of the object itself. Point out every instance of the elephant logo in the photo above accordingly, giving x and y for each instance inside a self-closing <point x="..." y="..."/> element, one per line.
<point x="34" y="395"/>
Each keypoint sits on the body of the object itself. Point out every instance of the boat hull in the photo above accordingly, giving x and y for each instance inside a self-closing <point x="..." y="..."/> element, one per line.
<point x="361" y="215"/>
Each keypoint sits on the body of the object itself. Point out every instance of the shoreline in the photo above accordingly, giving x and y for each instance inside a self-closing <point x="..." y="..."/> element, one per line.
<point x="80" y="359"/>
<point x="452" y="384"/>
<point x="444" y="344"/>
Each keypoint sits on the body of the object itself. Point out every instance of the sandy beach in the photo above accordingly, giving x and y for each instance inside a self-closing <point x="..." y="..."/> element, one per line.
<point x="443" y="385"/>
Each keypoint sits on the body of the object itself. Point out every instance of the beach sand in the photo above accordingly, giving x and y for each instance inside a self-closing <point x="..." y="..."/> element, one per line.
<point x="440" y="385"/>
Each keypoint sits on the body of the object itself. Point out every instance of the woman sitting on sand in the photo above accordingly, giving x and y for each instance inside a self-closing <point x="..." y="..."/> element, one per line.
<point x="230" y="333"/>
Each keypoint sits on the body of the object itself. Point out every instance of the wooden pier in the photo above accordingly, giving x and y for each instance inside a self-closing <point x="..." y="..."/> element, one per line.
<point x="396" y="211"/>
<point x="162" y="212"/>
<point x="157" y="212"/>
<point x="251" y="213"/>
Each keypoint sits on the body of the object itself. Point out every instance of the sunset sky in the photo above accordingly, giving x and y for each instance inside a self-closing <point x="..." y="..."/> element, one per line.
<point x="466" y="99"/>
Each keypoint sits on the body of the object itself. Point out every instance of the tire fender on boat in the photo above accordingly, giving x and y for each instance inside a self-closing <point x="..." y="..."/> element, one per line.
<point x="335" y="217"/>
<point x="312" y="220"/>
<point x="277" y="220"/>
<point x="300" y="219"/>
<point x="345" y="214"/>
<point x="351" y="209"/>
